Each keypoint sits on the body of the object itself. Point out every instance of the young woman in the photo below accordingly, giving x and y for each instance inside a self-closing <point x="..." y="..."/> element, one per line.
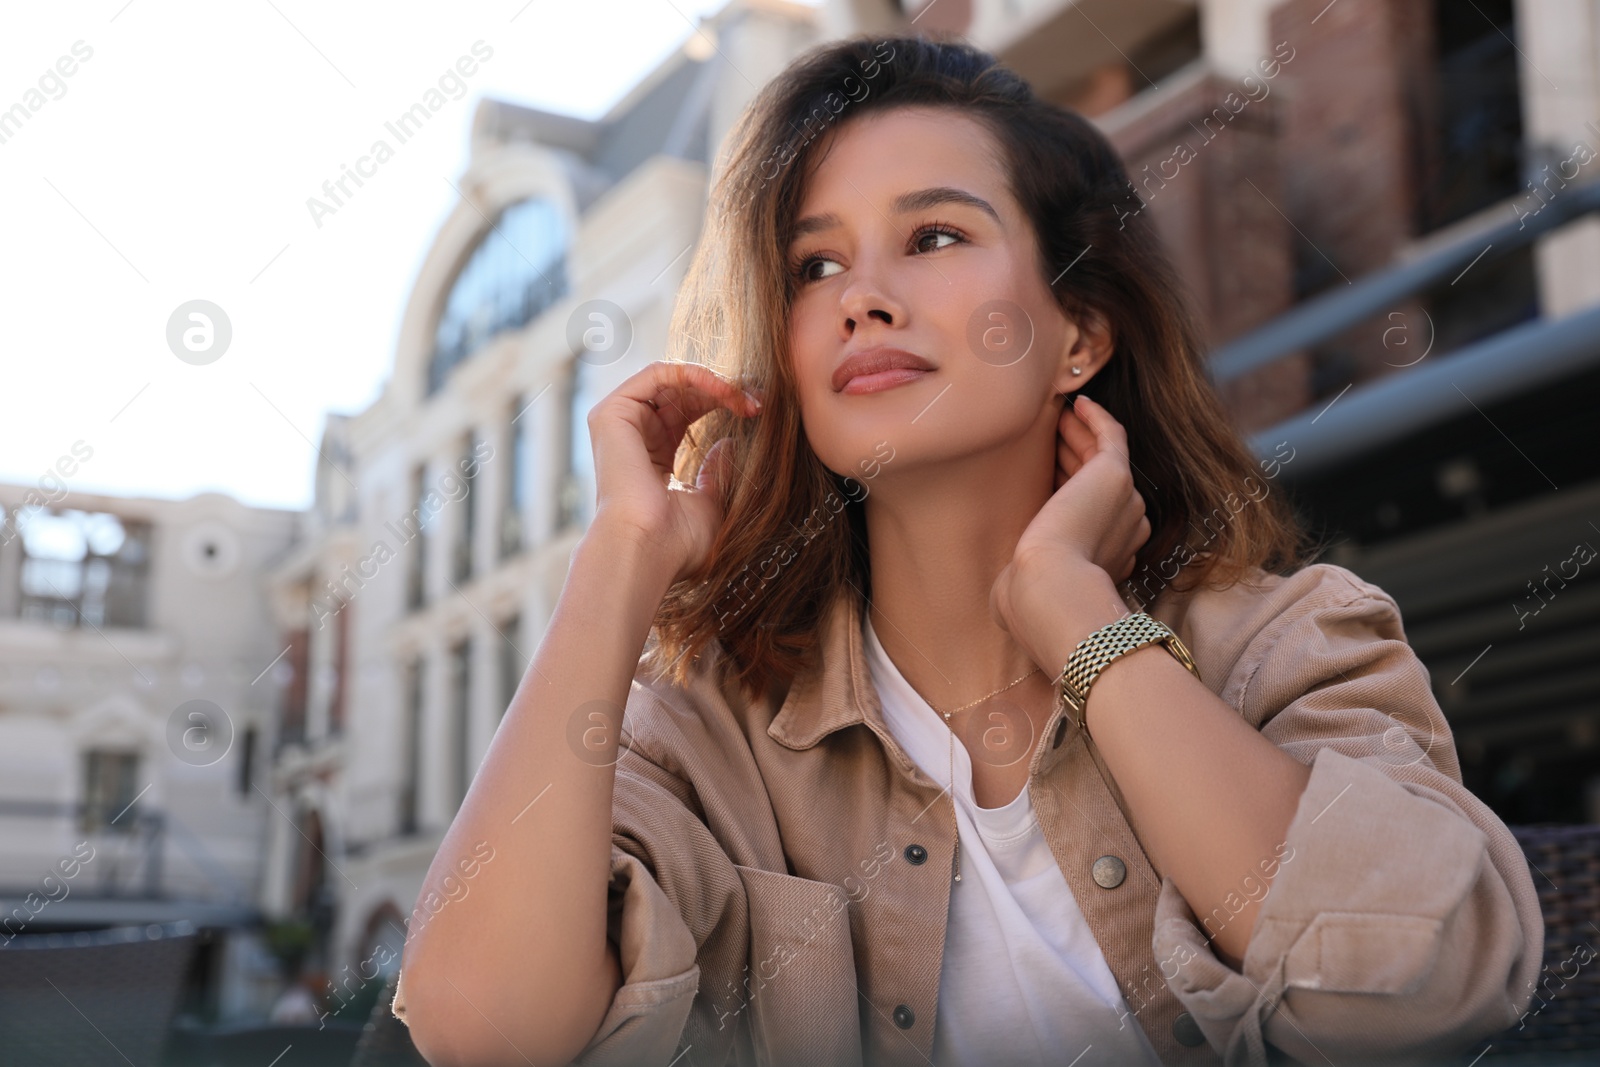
<point x="989" y="710"/>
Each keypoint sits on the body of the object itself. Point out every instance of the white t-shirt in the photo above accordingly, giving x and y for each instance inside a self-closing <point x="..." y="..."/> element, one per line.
<point x="1023" y="980"/>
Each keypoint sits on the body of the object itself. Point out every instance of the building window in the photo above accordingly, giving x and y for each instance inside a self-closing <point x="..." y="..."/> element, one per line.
<point x="339" y="679"/>
<point x="577" y="483"/>
<point x="1471" y="139"/>
<point x="247" y="759"/>
<point x="511" y="665"/>
<point x="311" y="897"/>
<point x="461" y="716"/>
<point x="411" y="743"/>
<point x="416" y="528"/>
<point x="517" y="270"/>
<point x="82" y="568"/>
<point x="466" y="526"/>
<point x="519" y="468"/>
<point x="326" y="674"/>
<point x="297" y="688"/>
<point x="110" y="783"/>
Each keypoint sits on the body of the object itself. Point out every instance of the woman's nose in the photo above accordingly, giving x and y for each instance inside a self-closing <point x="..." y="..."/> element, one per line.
<point x="868" y="297"/>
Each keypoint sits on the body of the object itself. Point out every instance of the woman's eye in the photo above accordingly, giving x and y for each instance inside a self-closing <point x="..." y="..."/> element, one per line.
<point x="921" y="239"/>
<point x="807" y="272"/>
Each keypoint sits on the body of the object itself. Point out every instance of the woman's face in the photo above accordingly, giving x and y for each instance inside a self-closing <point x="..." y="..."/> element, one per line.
<point x="908" y="238"/>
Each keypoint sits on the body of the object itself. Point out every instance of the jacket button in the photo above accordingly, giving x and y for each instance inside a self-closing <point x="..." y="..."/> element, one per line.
<point x="1109" y="871"/>
<point x="916" y="854"/>
<point x="1061" y="732"/>
<point x="904" y="1016"/>
<point x="1187" y="1031"/>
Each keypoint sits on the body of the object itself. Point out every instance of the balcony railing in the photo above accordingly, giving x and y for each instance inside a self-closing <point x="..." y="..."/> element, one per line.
<point x="119" y="855"/>
<point x="127" y="849"/>
<point x="1377" y="413"/>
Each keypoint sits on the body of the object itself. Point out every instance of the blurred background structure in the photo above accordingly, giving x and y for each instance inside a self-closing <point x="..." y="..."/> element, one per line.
<point x="1383" y="210"/>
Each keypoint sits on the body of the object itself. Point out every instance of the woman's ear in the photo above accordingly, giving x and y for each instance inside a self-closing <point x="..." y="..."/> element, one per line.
<point x="1089" y="346"/>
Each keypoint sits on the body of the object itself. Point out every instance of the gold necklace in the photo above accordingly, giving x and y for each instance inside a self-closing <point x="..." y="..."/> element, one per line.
<point x="947" y="715"/>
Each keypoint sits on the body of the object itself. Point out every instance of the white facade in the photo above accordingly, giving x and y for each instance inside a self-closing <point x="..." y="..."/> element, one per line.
<point x="135" y="696"/>
<point x="629" y="193"/>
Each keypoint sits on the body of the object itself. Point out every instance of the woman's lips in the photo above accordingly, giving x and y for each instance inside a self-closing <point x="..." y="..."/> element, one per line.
<point x="877" y="383"/>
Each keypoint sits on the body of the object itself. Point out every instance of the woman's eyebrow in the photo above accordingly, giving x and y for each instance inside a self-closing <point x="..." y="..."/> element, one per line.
<point x="941" y="194"/>
<point x="917" y="200"/>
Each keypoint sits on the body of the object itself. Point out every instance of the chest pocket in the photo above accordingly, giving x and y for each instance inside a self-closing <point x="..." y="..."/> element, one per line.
<point x="799" y="985"/>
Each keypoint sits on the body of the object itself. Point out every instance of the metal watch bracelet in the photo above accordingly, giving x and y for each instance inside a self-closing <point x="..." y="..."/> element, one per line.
<point x="1095" y="652"/>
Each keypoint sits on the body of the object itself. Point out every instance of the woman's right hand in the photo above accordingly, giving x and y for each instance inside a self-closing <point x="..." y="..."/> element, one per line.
<point x="635" y="431"/>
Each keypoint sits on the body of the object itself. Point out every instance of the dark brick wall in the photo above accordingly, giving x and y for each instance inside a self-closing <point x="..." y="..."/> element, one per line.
<point x="1350" y="152"/>
<point x="1205" y="161"/>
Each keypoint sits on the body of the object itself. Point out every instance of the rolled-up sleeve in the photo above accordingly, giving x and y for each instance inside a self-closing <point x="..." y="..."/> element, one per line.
<point x="674" y="902"/>
<point x="1401" y="921"/>
<point x="659" y="974"/>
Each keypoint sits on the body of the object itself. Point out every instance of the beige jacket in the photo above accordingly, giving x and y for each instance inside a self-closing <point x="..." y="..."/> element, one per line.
<point x="781" y="873"/>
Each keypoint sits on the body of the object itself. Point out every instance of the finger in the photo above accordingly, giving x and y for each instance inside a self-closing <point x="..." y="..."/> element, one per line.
<point x="1067" y="460"/>
<point x="713" y="470"/>
<point x="681" y="392"/>
<point x="1136" y="534"/>
<point x="660" y="402"/>
<point x="675" y="394"/>
<point x="1133" y="508"/>
<point x="1078" y="435"/>
<point x="1108" y="432"/>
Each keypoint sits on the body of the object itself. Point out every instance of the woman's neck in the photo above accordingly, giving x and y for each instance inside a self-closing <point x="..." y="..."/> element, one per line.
<point x="934" y="556"/>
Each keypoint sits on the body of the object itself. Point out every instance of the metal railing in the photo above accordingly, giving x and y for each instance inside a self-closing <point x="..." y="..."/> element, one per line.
<point x="130" y="851"/>
<point x="1332" y="313"/>
<point x="1502" y="365"/>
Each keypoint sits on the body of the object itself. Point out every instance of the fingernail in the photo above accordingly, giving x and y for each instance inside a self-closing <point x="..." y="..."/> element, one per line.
<point x="753" y="398"/>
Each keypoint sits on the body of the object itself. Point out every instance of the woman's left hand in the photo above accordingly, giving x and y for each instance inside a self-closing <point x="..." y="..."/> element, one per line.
<point x="1094" y="522"/>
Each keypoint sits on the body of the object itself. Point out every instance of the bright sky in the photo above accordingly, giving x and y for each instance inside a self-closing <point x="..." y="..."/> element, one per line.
<point x="174" y="163"/>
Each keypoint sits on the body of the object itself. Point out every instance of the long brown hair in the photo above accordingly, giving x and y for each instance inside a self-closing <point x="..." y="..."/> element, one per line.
<point x="794" y="535"/>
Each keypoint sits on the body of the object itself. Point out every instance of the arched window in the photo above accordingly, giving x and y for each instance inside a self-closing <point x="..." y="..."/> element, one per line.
<point x="577" y="492"/>
<point x="517" y="270"/>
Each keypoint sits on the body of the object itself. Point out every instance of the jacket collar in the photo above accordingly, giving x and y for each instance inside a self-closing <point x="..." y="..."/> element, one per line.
<point x="837" y="690"/>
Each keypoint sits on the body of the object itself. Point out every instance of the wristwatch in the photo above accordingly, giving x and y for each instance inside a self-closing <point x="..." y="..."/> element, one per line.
<point x="1095" y="652"/>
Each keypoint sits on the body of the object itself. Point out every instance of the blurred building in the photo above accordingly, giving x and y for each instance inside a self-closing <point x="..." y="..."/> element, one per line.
<point x="1376" y="206"/>
<point x="446" y="512"/>
<point x="135" y="697"/>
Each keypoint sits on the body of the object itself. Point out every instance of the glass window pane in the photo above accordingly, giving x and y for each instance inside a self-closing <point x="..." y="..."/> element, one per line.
<point x="517" y="270"/>
<point x="81" y="568"/>
<point x="411" y="774"/>
<point x="461" y="716"/>
<point x="511" y="666"/>
<point x="578" y="487"/>
<point x="519" y="468"/>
